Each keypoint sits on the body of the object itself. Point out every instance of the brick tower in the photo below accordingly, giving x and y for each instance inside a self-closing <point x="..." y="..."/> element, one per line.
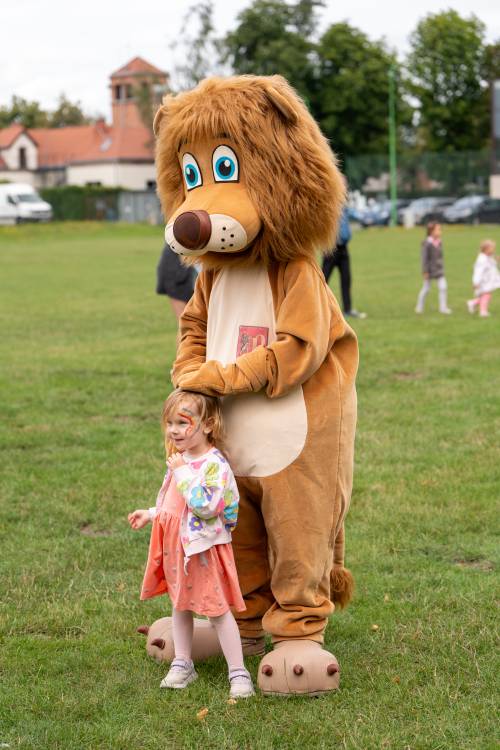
<point x="127" y="84"/>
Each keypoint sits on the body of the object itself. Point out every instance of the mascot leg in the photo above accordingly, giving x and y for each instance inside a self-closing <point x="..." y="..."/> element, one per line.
<point x="250" y="548"/>
<point x="302" y="666"/>
<point x="302" y="533"/>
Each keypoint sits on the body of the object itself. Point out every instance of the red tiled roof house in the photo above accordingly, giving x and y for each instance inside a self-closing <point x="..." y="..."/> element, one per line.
<point x="120" y="154"/>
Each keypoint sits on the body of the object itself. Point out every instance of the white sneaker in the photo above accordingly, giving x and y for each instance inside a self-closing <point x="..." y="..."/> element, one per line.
<point x="241" y="684"/>
<point x="418" y="311"/>
<point x="471" y="307"/>
<point x="484" y="314"/>
<point x="355" y="314"/>
<point x="446" y="311"/>
<point x="180" y="674"/>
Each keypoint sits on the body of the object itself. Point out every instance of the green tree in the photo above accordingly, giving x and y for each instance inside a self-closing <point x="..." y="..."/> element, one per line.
<point x="446" y="65"/>
<point x="66" y="113"/>
<point x="31" y="114"/>
<point x="491" y="62"/>
<point x="201" y="51"/>
<point x="273" y="36"/>
<point x="351" y="97"/>
<point x="148" y="95"/>
<point x="26" y="113"/>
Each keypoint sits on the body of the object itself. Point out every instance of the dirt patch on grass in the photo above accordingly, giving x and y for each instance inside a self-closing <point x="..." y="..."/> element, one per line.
<point x="476" y="563"/>
<point x="50" y="631"/>
<point x="88" y="530"/>
<point x="406" y="375"/>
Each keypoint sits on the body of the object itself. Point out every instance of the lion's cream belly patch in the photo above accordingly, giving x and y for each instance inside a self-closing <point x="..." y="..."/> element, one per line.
<point x="263" y="435"/>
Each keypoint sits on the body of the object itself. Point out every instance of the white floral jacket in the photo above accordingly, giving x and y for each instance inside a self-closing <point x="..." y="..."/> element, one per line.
<point x="209" y="489"/>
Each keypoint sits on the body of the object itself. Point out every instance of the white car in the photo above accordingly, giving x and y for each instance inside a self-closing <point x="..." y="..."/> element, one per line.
<point x="417" y="210"/>
<point x="20" y="202"/>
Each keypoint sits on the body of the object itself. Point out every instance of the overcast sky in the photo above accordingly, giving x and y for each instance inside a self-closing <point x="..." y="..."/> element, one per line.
<point x="53" y="46"/>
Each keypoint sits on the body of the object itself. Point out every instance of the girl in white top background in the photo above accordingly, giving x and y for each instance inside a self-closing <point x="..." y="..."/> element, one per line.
<point x="485" y="278"/>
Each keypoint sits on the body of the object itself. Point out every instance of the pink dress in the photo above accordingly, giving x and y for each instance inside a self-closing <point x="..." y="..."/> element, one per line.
<point x="208" y="586"/>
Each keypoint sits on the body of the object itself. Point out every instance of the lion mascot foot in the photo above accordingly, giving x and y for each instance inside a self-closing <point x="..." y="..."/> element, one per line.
<point x="298" y="668"/>
<point x="160" y="644"/>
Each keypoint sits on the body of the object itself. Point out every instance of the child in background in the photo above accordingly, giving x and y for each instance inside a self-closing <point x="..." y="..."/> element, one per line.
<point x="433" y="268"/>
<point x="485" y="278"/>
<point x="190" y="552"/>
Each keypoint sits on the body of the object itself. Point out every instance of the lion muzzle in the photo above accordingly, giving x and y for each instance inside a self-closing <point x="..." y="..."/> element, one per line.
<point x="192" y="229"/>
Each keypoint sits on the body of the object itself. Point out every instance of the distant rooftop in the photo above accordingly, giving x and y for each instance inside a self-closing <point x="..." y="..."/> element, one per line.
<point x="137" y="66"/>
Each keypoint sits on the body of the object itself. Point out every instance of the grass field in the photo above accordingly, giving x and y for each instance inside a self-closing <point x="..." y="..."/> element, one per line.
<point x="85" y="353"/>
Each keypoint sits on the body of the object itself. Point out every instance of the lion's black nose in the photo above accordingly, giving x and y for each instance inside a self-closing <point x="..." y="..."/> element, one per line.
<point x="192" y="229"/>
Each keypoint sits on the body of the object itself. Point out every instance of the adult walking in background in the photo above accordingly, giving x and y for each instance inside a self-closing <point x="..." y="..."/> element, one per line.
<point x="175" y="280"/>
<point x="339" y="257"/>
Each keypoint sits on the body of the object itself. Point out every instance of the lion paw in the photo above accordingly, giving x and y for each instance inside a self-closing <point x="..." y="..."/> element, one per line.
<point x="298" y="668"/>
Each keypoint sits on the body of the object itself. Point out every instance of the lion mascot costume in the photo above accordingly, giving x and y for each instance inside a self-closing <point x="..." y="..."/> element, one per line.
<point x="251" y="190"/>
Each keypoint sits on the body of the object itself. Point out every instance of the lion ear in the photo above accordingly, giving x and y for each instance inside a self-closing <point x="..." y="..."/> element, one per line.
<point x="275" y="93"/>
<point x="161" y="113"/>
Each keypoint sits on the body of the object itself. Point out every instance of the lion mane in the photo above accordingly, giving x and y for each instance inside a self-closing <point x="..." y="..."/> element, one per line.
<point x="291" y="173"/>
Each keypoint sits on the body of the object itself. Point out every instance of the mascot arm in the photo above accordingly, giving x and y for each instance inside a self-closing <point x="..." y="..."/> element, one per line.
<point x="304" y="335"/>
<point x="191" y="347"/>
<point x="306" y="328"/>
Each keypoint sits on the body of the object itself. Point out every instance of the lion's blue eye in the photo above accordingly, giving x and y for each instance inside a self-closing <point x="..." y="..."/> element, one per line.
<point x="225" y="165"/>
<point x="225" y="168"/>
<point x="192" y="172"/>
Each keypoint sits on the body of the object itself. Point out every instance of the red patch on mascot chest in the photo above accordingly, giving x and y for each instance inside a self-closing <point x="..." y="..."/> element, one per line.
<point x="250" y="337"/>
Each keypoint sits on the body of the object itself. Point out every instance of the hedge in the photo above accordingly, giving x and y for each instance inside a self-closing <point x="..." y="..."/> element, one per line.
<point x="74" y="202"/>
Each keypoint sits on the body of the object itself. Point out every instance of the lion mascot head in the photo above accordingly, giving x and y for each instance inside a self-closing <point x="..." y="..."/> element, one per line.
<point x="244" y="173"/>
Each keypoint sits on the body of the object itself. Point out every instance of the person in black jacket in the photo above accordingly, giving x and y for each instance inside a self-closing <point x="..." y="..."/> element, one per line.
<point x="339" y="258"/>
<point x="175" y="280"/>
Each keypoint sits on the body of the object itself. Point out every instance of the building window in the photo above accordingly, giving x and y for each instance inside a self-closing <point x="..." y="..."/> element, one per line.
<point x="151" y="185"/>
<point x="130" y="93"/>
<point x="22" y="158"/>
<point x="118" y="92"/>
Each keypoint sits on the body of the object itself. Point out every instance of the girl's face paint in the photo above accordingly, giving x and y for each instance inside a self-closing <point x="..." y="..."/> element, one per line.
<point x="189" y="419"/>
<point x="184" y="431"/>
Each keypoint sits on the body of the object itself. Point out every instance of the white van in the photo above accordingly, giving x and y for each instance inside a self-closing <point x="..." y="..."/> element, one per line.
<point x="20" y="202"/>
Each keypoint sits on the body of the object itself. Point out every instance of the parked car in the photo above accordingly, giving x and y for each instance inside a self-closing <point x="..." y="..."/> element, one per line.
<point x="20" y="202"/>
<point x="489" y="211"/>
<point x="481" y="210"/>
<point x="380" y="213"/>
<point x="464" y="210"/>
<point x="436" y="213"/>
<point x="418" y="208"/>
<point x="354" y="214"/>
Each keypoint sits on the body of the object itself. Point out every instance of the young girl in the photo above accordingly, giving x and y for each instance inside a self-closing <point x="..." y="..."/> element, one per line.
<point x="190" y="553"/>
<point x="433" y="268"/>
<point x="485" y="278"/>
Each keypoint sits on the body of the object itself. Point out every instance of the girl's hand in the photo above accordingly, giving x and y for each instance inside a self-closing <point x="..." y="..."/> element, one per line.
<point x="175" y="460"/>
<point x="138" y="518"/>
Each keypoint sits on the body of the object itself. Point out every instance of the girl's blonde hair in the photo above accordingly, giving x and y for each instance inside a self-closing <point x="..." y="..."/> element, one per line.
<point x="485" y="244"/>
<point x="208" y="409"/>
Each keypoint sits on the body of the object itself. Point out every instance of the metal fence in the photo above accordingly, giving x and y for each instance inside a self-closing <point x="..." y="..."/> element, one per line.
<point x="135" y="206"/>
<point x="450" y="174"/>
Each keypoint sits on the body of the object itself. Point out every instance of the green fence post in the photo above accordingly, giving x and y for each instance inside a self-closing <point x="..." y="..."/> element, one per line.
<point x="392" y="145"/>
